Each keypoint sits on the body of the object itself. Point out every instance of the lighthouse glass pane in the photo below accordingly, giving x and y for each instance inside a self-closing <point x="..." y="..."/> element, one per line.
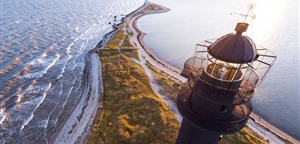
<point x="194" y="66"/>
<point x="251" y="78"/>
<point x="225" y="71"/>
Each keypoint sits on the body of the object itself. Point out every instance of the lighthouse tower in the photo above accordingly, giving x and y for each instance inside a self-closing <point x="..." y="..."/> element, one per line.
<point x="222" y="76"/>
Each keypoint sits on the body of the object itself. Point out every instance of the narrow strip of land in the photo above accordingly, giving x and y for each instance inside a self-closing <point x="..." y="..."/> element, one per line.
<point x="118" y="119"/>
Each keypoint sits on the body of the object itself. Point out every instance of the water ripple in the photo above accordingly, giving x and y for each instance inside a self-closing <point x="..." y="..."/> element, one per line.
<point x="43" y="45"/>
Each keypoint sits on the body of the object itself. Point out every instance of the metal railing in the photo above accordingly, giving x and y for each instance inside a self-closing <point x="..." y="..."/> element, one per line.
<point x="205" y="123"/>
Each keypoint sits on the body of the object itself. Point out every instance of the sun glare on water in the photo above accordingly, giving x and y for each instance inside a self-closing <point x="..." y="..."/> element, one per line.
<point x="269" y="14"/>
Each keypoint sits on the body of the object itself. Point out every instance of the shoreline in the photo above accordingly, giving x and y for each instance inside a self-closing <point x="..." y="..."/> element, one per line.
<point x="85" y="130"/>
<point x="259" y="122"/>
<point x="254" y="121"/>
<point x="159" y="63"/>
<point x="79" y="124"/>
<point x="149" y="56"/>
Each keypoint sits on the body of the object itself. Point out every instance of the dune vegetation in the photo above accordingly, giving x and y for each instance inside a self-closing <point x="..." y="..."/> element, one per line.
<point x="169" y="86"/>
<point x="244" y="136"/>
<point x="130" y="110"/>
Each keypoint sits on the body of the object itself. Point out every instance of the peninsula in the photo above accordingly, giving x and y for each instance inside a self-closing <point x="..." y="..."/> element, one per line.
<point x="136" y="102"/>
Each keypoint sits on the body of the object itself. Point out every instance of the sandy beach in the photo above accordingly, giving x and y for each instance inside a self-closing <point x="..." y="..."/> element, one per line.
<point x="79" y="125"/>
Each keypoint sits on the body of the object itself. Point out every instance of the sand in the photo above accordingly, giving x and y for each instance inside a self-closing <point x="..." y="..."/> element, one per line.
<point x="78" y="127"/>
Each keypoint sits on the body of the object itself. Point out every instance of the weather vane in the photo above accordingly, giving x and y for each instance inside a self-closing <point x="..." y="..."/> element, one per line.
<point x="253" y="16"/>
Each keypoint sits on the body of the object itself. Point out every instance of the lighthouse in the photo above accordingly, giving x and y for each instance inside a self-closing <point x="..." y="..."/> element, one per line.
<point x="222" y="77"/>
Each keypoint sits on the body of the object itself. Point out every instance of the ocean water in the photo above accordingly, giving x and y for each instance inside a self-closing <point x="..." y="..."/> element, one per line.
<point x="172" y="36"/>
<point x="42" y="50"/>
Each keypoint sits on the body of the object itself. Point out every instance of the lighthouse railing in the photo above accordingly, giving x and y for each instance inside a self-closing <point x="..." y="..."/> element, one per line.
<point x="246" y="89"/>
<point x="230" y="126"/>
<point x="264" y="62"/>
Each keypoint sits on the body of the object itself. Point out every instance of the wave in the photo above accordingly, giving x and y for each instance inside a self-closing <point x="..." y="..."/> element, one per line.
<point x="34" y="101"/>
<point x="42" y="60"/>
<point x="33" y="87"/>
<point x="36" y="88"/>
<point x="2" y="118"/>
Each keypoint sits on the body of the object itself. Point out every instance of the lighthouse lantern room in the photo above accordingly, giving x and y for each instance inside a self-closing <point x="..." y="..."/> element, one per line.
<point x="222" y="76"/>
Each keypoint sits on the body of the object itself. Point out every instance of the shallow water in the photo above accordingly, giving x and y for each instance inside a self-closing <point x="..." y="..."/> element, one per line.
<point x="172" y="36"/>
<point x="43" y="45"/>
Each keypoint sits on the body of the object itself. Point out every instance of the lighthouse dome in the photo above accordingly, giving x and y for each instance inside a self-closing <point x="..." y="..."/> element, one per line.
<point x="234" y="48"/>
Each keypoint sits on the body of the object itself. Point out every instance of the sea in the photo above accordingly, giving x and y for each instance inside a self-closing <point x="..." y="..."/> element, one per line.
<point x="44" y="43"/>
<point x="172" y="36"/>
<point x="42" y="52"/>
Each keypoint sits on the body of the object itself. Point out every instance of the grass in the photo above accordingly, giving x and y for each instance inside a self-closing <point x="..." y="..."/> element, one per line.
<point x="168" y="85"/>
<point x="115" y="41"/>
<point x="244" y="136"/>
<point x="131" y="112"/>
<point x="121" y="40"/>
<point x="126" y="45"/>
<point x="126" y="42"/>
<point x="131" y="53"/>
